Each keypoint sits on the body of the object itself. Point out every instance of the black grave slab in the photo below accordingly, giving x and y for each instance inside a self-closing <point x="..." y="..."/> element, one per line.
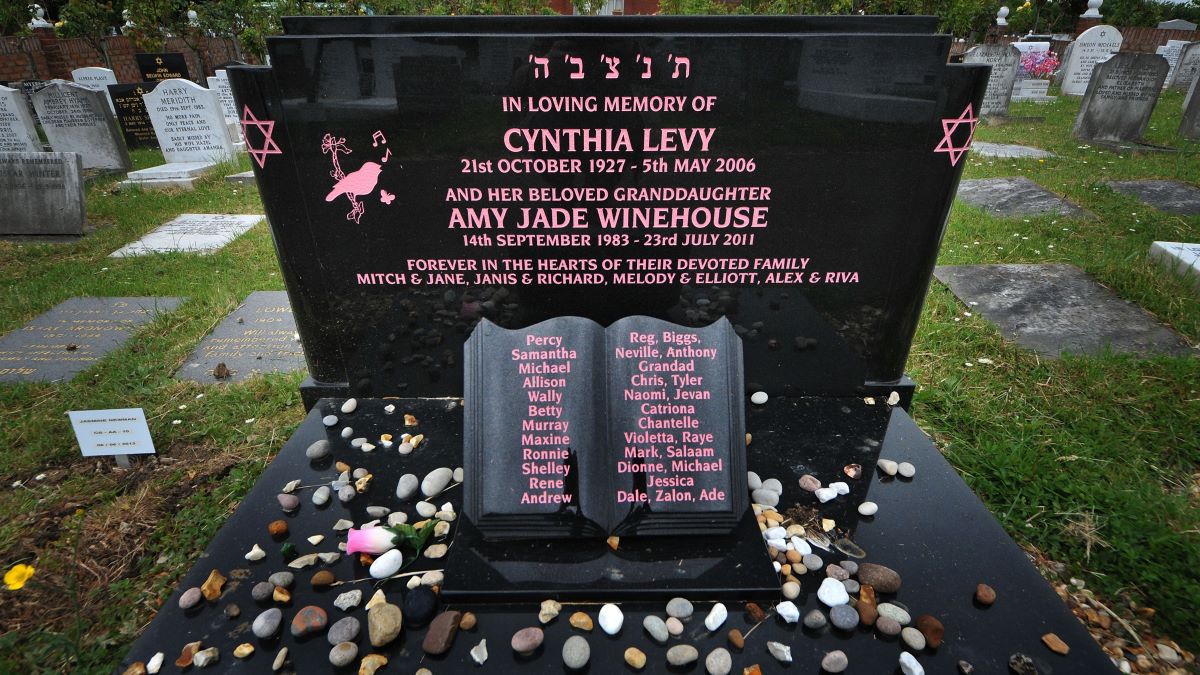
<point x="1014" y="197"/>
<point x="931" y="529"/>
<point x="1165" y="195"/>
<point x="256" y="338"/>
<point x="158" y="66"/>
<point x="73" y="335"/>
<point x="825" y="112"/>
<point x="1052" y="309"/>
<point x="132" y="115"/>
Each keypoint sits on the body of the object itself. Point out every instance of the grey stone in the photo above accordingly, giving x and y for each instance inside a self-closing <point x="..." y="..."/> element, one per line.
<point x="258" y="337"/>
<point x="1093" y="45"/>
<point x="244" y="178"/>
<point x="1170" y="196"/>
<point x="815" y="620"/>
<point x="681" y="655"/>
<point x="913" y="638"/>
<point x="73" y="335"/>
<point x="173" y="175"/>
<point x="1118" y="102"/>
<point x="407" y="486"/>
<point x="843" y="617"/>
<point x="343" y="630"/>
<point x="267" y="624"/>
<point x="321" y="496"/>
<point x="1187" y="68"/>
<point x="77" y="119"/>
<point x="1015" y="196"/>
<point x="1171" y="51"/>
<point x="1179" y="257"/>
<point x="18" y="131"/>
<point x="576" y="651"/>
<point x="718" y="662"/>
<point x="318" y="450"/>
<point x="1005" y="61"/>
<point x="191" y="233"/>
<point x="262" y="590"/>
<point x="42" y="192"/>
<point x="680" y="608"/>
<point x="284" y="579"/>
<point x="189" y="123"/>
<point x="343" y="653"/>
<point x="656" y="628"/>
<point x="1058" y="308"/>
<point x="1008" y="151"/>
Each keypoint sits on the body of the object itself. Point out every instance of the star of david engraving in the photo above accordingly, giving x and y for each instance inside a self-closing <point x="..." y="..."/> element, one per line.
<point x="266" y="128"/>
<point x="950" y="126"/>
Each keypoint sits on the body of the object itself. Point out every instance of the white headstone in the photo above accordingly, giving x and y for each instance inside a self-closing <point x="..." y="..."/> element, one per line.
<point x="77" y="119"/>
<point x="97" y="79"/>
<point x="1092" y="45"/>
<point x="188" y="121"/>
<point x="43" y="193"/>
<point x="219" y="85"/>
<point x="1005" y="61"/>
<point x="18" y="133"/>
<point x="1188" y="67"/>
<point x="1179" y="257"/>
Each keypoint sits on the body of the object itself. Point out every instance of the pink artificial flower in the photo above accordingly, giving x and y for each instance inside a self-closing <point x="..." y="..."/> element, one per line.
<point x="374" y="540"/>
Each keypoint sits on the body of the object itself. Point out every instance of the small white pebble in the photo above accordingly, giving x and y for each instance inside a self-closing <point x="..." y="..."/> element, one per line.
<point x="868" y="508"/>
<point x="758" y="397"/>
<point x="825" y="494"/>
<point x="350" y="405"/>
<point x="841" y="487"/>
<point x="907" y="470"/>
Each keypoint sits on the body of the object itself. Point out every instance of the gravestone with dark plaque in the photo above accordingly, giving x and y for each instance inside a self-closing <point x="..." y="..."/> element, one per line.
<point x="1121" y="96"/>
<point x="27" y="87"/>
<point x="78" y="119"/>
<point x="132" y="115"/>
<point x="43" y="193"/>
<point x="692" y="184"/>
<point x="18" y="132"/>
<point x="258" y="337"/>
<point x="1093" y="45"/>
<point x="73" y="335"/>
<point x="575" y="194"/>
<point x="1005" y="61"/>
<point x="162" y="66"/>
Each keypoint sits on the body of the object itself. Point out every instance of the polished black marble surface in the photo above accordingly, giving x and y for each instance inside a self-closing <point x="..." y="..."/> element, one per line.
<point x="931" y="529"/>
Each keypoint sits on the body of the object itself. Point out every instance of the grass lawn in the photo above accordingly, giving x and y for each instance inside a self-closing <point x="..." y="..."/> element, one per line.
<point x="1093" y="461"/>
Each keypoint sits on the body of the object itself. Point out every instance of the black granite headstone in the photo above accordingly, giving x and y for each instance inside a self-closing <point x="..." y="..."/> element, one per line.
<point x="74" y="335"/>
<point x="578" y="431"/>
<point x="132" y="115"/>
<point x="162" y="66"/>
<point x="796" y="181"/>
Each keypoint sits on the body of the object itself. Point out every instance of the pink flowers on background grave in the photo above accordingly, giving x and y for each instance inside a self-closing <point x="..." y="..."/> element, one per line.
<point x="1040" y="65"/>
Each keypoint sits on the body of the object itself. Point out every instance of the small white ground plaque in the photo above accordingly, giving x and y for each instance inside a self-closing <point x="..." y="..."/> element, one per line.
<point x="119" y="431"/>
<point x="1179" y="257"/>
<point x="191" y="233"/>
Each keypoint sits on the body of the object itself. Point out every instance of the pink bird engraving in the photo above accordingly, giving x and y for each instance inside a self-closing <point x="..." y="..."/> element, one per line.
<point x="354" y="185"/>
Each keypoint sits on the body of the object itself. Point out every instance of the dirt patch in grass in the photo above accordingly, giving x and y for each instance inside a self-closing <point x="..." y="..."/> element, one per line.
<point x="82" y="545"/>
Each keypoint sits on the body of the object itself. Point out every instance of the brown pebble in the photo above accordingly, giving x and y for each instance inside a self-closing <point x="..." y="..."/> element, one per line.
<point x="371" y="663"/>
<point x="232" y="611"/>
<point x="614" y="542"/>
<point x="581" y="620"/>
<point x="278" y="529"/>
<point x="752" y="670"/>
<point x="185" y="656"/>
<point x="467" y="622"/>
<point x="736" y="639"/>
<point x="867" y="614"/>
<point x="756" y="612"/>
<point x="341" y="466"/>
<point x="135" y="668"/>
<point x="440" y="635"/>
<point x="322" y="579"/>
<point x="1056" y="644"/>
<point x="932" y="629"/>
<point x="211" y="588"/>
<point x="793" y="556"/>
<point x="243" y="650"/>
<point x="984" y="594"/>
<point x="281" y="594"/>
<point x="853" y="470"/>
<point x="636" y="658"/>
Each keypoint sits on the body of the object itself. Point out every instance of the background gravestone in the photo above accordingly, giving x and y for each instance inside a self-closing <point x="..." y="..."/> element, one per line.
<point x="96" y="79"/>
<point x="74" y="335"/>
<point x="219" y="85"/>
<point x="1168" y="196"/>
<point x="1027" y="87"/>
<point x="1012" y="197"/>
<point x="188" y="121"/>
<point x="27" y="87"/>
<point x="1189" y="125"/>
<point x="132" y="115"/>
<point x="257" y="337"/>
<point x="162" y="66"/>
<point x="42" y="193"/>
<point x="1005" y="61"/>
<point x="1058" y="308"/>
<point x="1187" y="67"/>
<point x="190" y="233"/>
<point x="77" y="119"/>
<point x="18" y="132"/>
<point x="1171" y="52"/>
<point x="1120" y="98"/>
<point x="1092" y="45"/>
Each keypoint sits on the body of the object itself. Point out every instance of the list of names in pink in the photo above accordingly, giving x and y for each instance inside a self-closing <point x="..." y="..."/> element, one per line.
<point x="544" y="365"/>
